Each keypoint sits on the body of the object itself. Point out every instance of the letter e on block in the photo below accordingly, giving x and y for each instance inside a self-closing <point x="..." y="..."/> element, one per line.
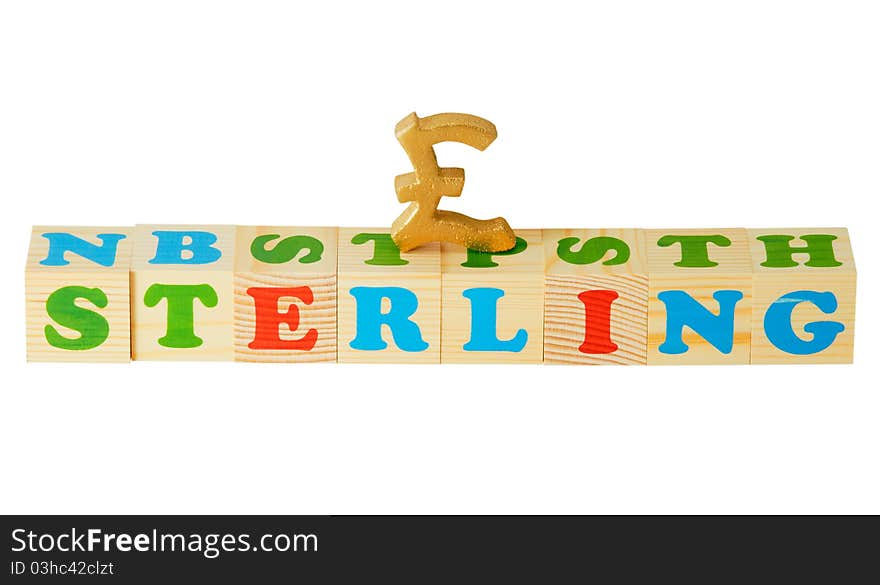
<point x="77" y="294"/>
<point x="805" y="295"/>
<point x="595" y="297"/>
<point x="285" y="294"/>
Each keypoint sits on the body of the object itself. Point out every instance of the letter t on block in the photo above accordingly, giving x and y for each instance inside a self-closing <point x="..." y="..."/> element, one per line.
<point x="285" y="294"/>
<point x="77" y="294"/>
<point x="699" y="296"/>
<point x="388" y="300"/>
<point x="805" y="296"/>
<point x="595" y="297"/>
<point x="182" y="292"/>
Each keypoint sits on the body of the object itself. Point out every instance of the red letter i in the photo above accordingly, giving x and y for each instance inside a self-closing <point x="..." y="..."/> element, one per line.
<point x="597" y="311"/>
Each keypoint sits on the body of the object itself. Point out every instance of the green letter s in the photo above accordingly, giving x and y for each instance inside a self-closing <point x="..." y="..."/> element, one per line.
<point x="93" y="327"/>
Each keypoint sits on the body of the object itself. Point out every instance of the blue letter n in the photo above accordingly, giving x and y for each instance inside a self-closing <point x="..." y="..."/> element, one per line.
<point x="60" y="243"/>
<point x="682" y="309"/>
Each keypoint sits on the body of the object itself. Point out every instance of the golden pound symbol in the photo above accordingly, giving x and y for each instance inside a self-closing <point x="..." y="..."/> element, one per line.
<point x="422" y="222"/>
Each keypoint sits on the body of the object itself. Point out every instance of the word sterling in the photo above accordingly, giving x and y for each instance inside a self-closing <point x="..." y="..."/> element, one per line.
<point x="570" y="296"/>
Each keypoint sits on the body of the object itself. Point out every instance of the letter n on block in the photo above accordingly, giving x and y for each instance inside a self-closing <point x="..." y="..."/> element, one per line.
<point x="285" y="294"/>
<point x="77" y="294"/>
<point x="388" y="301"/>
<point x="493" y="304"/>
<point x="699" y="296"/>
<point x="805" y="296"/>
<point x="182" y="292"/>
<point x="595" y="297"/>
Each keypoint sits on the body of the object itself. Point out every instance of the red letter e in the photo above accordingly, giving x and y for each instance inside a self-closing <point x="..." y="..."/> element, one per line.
<point x="267" y="318"/>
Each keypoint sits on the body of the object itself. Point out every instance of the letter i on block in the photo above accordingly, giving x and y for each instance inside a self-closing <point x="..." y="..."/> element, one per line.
<point x="595" y="297"/>
<point x="182" y="292"/>
<point x="805" y="296"/>
<point x="699" y="296"/>
<point x="285" y="294"/>
<point x="388" y="301"/>
<point x="493" y="304"/>
<point x="77" y="294"/>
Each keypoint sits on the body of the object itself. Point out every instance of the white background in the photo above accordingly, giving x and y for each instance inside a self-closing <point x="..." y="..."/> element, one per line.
<point x="654" y="114"/>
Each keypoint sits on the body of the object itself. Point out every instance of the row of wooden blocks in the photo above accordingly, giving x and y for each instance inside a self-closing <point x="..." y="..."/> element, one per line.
<point x="572" y="296"/>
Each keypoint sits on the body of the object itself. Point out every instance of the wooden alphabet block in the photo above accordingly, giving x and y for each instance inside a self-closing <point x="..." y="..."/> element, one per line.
<point x="285" y="294"/>
<point x="805" y="295"/>
<point x="493" y="304"/>
<point x="388" y="301"/>
<point x="699" y="296"/>
<point x="77" y="294"/>
<point x="560" y="296"/>
<point x="182" y="292"/>
<point x="595" y="297"/>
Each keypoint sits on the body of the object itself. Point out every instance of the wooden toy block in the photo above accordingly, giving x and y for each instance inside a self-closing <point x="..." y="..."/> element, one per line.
<point x="388" y="301"/>
<point x="699" y="296"/>
<point x="576" y="296"/>
<point x="285" y="294"/>
<point x="77" y="294"/>
<point x="493" y="304"/>
<point x="595" y="297"/>
<point x="804" y="295"/>
<point x="182" y="292"/>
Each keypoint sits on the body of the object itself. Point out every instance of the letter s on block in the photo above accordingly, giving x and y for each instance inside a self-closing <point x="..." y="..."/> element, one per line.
<point x="92" y="326"/>
<point x="593" y="250"/>
<point x="287" y="249"/>
<point x="777" y="323"/>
